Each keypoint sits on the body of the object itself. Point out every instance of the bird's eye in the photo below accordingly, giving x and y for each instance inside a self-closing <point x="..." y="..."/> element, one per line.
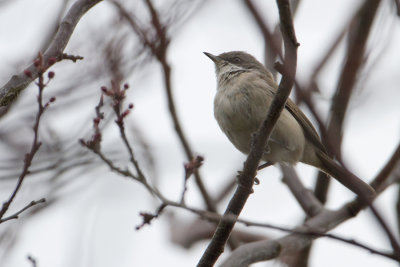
<point x="237" y="59"/>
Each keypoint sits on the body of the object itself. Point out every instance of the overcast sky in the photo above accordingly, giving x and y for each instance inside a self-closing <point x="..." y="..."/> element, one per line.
<point x="95" y="226"/>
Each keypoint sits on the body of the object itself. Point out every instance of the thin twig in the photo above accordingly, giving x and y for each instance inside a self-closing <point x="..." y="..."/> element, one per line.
<point x="391" y="236"/>
<point x="301" y="230"/>
<point x="16" y="215"/>
<point x="379" y="182"/>
<point x="32" y="260"/>
<point x="161" y="55"/>
<point x="190" y="168"/>
<point x="10" y="91"/>
<point x="128" y="146"/>
<point x="158" y="45"/>
<point x="41" y="67"/>
<point x="272" y="39"/>
<point x="117" y="94"/>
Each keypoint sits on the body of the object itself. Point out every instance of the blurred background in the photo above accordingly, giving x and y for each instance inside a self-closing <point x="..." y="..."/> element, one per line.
<point x="91" y="212"/>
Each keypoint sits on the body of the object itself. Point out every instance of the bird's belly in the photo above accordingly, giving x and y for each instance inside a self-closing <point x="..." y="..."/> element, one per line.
<point x="239" y="119"/>
<point x="236" y="119"/>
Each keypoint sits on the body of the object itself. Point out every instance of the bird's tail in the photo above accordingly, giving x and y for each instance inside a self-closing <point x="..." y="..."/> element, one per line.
<point x="349" y="180"/>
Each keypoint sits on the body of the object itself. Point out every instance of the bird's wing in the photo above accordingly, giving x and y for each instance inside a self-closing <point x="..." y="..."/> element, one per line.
<point x="309" y="130"/>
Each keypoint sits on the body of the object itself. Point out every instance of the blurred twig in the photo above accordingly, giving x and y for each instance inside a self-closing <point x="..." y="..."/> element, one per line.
<point x="32" y="260"/>
<point x="355" y="59"/>
<point x="158" y="45"/>
<point x="307" y="200"/>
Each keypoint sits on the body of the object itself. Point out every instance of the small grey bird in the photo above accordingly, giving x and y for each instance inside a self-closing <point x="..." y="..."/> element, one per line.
<point x="245" y="90"/>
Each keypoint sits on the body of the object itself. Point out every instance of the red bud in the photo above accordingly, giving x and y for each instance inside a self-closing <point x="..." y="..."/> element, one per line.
<point x="28" y="73"/>
<point x="52" y="60"/>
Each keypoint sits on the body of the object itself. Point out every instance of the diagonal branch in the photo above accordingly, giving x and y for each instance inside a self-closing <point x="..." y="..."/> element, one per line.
<point x="322" y="223"/>
<point x="16" y="215"/>
<point x="307" y="200"/>
<point x="271" y="249"/>
<point x="355" y="59"/>
<point x="246" y="178"/>
<point x="10" y="91"/>
<point x="158" y="46"/>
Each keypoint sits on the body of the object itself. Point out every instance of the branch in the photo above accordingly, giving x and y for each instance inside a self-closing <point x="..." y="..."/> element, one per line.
<point x="272" y="40"/>
<point x="158" y="46"/>
<point x="203" y="232"/>
<point x="32" y="260"/>
<point x="246" y="178"/>
<point x="16" y="215"/>
<point x="10" y="91"/>
<point x="355" y="59"/>
<point x="382" y="179"/>
<point x="307" y="200"/>
<point x="117" y="95"/>
<point x="359" y="33"/>
<point x="40" y="67"/>
<point x="298" y="239"/>
<point x="271" y="249"/>
<point x="322" y="223"/>
<point x="397" y="3"/>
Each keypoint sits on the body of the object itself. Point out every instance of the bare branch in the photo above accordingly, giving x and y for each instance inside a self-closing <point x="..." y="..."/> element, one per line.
<point x="190" y="168"/>
<point x="359" y="33"/>
<point x="148" y="217"/>
<point x="9" y="92"/>
<point x="306" y="231"/>
<point x="297" y="240"/>
<point x="380" y="182"/>
<point x="16" y="215"/>
<point x="158" y="45"/>
<point x="271" y="249"/>
<point x="272" y="39"/>
<point x="246" y="178"/>
<point x="32" y="260"/>
<point x="40" y="67"/>
<point x="397" y="3"/>
<point x="322" y="223"/>
<point x="117" y="95"/>
<point x="304" y="196"/>
<point x="391" y="236"/>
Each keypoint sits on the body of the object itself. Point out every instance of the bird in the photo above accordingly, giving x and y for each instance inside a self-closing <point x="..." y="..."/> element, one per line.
<point x="245" y="90"/>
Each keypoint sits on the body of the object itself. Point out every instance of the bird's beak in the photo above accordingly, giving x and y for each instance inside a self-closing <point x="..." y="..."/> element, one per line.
<point x="212" y="57"/>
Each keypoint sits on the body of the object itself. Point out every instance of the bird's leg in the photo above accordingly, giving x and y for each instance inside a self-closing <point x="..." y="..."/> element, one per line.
<point x="238" y="180"/>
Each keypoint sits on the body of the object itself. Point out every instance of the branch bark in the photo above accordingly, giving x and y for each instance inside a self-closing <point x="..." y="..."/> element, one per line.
<point x="246" y="178"/>
<point x="322" y="223"/>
